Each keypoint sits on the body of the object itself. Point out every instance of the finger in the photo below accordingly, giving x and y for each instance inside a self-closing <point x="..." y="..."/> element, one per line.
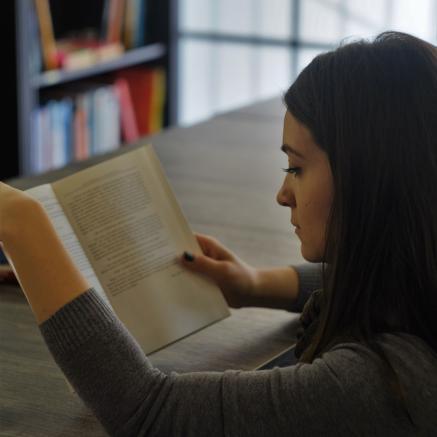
<point x="204" y="243"/>
<point x="212" y="247"/>
<point x="204" y="265"/>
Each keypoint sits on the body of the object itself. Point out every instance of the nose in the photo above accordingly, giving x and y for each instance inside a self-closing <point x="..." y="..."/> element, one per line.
<point x="285" y="196"/>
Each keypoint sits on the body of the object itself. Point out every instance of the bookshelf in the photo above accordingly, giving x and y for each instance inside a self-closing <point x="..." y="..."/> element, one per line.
<point x="37" y="86"/>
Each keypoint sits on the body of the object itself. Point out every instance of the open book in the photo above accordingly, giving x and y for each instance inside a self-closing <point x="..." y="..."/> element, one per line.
<point x="123" y="227"/>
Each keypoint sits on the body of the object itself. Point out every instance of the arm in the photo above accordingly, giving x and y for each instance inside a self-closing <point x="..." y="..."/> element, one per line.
<point x="130" y="398"/>
<point x="46" y="273"/>
<point x="275" y="288"/>
<point x="115" y="379"/>
<point x="242" y="285"/>
<point x="287" y="288"/>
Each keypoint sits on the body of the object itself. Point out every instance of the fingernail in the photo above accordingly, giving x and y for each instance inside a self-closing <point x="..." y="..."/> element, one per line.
<point x="189" y="256"/>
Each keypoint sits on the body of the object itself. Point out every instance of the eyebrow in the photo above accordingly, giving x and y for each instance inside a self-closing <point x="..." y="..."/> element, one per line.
<point x="286" y="148"/>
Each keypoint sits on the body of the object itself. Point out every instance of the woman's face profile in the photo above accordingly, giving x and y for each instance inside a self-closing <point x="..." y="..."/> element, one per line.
<point x="307" y="188"/>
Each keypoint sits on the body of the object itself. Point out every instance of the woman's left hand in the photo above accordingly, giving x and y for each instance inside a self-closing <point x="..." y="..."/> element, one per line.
<point x="13" y="206"/>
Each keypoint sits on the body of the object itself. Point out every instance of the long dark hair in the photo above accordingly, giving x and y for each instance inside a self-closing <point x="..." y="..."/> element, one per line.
<point x="372" y="107"/>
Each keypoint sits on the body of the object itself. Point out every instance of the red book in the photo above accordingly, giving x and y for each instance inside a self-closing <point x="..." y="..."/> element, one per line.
<point x="140" y="82"/>
<point x="129" y="127"/>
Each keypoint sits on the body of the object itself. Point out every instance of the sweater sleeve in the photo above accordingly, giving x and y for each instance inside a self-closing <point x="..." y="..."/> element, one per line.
<point x="310" y="279"/>
<point x="114" y="378"/>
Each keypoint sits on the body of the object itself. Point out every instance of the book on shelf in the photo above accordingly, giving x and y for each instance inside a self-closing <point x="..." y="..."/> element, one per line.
<point x="129" y="127"/>
<point x="89" y="46"/>
<point x="123" y="227"/>
<point x="156" y="121"/>
<point x="134" y="26"/>
<point x="147" y="88"/>
<point x="76" y="53"/>
<point x="80" y="121"/>
<point x="35" y="54"/>
<point x="47" y="36"/>
<point x="113" y="20"/>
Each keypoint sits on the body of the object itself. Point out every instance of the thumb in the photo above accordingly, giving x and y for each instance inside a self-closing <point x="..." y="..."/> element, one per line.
<point x="202" y="264"/>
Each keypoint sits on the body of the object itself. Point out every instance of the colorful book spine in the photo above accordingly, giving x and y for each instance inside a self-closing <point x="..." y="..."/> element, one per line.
<point x="115" y="21"/>
<point x="157" y="101"/>
<point x="128" y="119"/>
<point x="48" y="42"/>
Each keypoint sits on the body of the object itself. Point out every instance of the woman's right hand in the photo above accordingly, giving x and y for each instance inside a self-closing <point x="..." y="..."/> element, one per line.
<point x="236" y="279"/>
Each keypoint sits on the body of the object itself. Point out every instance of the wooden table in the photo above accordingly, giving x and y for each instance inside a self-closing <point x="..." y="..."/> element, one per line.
<point x="225" y="173"/>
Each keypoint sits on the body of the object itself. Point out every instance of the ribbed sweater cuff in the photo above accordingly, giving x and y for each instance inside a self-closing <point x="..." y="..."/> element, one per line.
<point x="77" y="321"/>
<point x="310" y="279"/>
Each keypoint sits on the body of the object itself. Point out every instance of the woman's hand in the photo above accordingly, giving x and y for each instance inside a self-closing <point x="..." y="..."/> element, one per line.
<point x="236" y="279"/>
<point x="14" y="205"/>
<point x="241" y="284"/>
<point x="48" y="276"/>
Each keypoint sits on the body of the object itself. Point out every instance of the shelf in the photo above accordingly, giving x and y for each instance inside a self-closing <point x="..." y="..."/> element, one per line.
<point x="129" y="58"/>
<point x="33" y="87"/>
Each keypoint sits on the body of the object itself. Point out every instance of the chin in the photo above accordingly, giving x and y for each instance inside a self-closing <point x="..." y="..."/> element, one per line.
<point x="312" y="256"/>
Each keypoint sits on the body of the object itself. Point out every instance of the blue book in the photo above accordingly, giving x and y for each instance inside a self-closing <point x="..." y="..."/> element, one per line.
<point x="140" y="25"/>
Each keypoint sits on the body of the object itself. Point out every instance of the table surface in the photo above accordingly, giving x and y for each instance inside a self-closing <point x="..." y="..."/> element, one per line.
<point x="225" y="173"/>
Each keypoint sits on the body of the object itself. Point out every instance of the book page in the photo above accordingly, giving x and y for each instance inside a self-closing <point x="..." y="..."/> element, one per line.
<point x="132" y="229"/>
<point x="45" y="195"/>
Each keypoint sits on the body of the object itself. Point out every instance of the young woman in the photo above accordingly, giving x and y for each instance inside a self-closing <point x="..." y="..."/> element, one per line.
<point x="360" y="135"/>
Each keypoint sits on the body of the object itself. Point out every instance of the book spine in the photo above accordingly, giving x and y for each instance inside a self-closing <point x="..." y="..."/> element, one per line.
<point x="129" y="23"/>
<point x="57" y="134"/>
<point x="48" y="43"/>
<point x="81" y="139"/>
<point x="127" y="114"/>
<point x="68" y="127"/>
<point x="140" y="24"/>
<point x="36" y="141"/>
<point x="35" y="53"/>
<point x="114" y="119"/>
<point x="157" y="101"/>
<point x="115" y="20"/>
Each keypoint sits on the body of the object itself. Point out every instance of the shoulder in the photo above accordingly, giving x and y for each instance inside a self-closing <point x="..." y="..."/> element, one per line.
<point x="408" y="355"/>
<point x="402" y="350"/>
<point x="362" y="376"/>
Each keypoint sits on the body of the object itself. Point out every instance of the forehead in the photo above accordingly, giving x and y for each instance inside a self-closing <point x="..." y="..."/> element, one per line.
<point x="298" y="136"/>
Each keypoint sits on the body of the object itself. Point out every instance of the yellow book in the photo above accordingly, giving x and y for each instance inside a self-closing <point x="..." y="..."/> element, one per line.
<point x="157" y="100"/>
<point x="48" y="42"/>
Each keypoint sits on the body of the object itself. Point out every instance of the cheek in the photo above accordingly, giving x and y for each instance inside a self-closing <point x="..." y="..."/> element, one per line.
<point x="314" y="209"/>
<point x="317" y="201"/>
<point x="314" y="215"/>
<point x="314" y="219"/>
<point x="312" y="233"/>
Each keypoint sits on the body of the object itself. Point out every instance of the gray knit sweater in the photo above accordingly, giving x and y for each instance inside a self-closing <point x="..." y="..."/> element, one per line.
<point x="344" y="393"/>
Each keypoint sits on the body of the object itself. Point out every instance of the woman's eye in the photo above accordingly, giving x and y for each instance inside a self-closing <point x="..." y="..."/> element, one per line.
<point x="292" y="170"/>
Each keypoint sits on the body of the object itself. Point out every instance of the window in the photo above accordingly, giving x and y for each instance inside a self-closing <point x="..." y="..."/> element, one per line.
<point x="233" y="53"/>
